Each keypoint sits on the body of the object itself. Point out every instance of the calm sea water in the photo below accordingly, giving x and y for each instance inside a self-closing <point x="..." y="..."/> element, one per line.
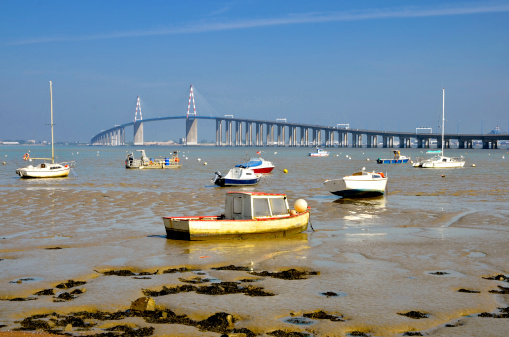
<point x="378" y="252"/>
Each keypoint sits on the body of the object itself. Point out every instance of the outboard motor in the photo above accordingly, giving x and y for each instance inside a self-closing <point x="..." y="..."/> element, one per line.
<point x="217" y="176"/>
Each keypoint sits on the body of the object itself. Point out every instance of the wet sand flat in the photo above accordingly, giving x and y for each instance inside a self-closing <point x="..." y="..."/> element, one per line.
<point x="430" y="257"/>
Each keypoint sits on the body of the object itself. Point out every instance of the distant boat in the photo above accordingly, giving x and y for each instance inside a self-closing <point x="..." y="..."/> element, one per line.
<point x="359" y="184"/>
<point x="398" y="159"/>
<point x="237" y="176"/>
<point x="319" y="153"/>
<point x="46" y="169"/>
<point x="247" y="214"/>
<point x="440" y="161"/>
<point x="150" y="163"/>
<point x="258" y="165"/>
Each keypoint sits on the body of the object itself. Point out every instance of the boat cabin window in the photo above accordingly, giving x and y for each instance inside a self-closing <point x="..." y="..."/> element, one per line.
<point x="237" y="205"/>
<point x="261" y="207"/>
<point x="376" y="176"/>
<point x="278" y="206"/>
<point x="43" y="165"/>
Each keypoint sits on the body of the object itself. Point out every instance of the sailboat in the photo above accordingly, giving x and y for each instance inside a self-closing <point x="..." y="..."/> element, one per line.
<point x="441" y="161"/>
<point x="46" y="169"/>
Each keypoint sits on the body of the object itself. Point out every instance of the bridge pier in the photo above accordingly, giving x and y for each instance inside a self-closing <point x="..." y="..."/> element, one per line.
<point x="219" y="132"/>
<point x="138" y="133"/>
<point x="191" y="131"/>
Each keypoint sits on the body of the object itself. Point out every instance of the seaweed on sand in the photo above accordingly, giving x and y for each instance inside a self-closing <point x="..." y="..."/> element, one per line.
<point x="70" y="284"/>
<point x="290" y="274"/>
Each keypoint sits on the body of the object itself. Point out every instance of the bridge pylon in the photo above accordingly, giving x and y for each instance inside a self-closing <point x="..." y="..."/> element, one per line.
<point x="138" y="124"/>
<point x="191" y="121"/>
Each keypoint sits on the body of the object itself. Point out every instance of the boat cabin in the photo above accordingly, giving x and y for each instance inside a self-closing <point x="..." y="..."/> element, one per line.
<point x="255" y="205"/>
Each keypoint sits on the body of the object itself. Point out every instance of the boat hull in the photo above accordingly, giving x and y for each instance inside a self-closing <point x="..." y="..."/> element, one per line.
<point x="215" y="228"/>
<point x="442" y="162"/>
<point x="236" y="182"/>
<point x="442" y="165"/>
<point x="392" y="161"/>
<point x="356" y="187"/>
<point x="28" y="173"/>
<point x="263" y="170"/>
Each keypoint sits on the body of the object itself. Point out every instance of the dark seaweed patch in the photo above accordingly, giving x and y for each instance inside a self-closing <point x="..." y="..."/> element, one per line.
<point x="410" y="333"/>
<point x="21" y="280"/>
<point x="178" y="270"/>
<point x="195" y="280"/>
<point x="299" y="321"/>
<point x="499" y="277"/>
<point x="503" y="290"/>
<point x="290" y="274"/>
<point x="45" y="292"/>
<point x="70" y="284"/>
<point x="414" y="314"/>
<point x="232" y="267"/>
<point x="504" y="313"/>
<point x="357" y="333"/>
<point x="439" y="273"/>
<point x="34" y="324"/>
<point x="22" y="299"/>
<point x="281" y="333"/>
<point x="65" y="296"/>
<point x="222" y="288"/>
<point x="122" y="272"/>
<point x="49" y="248"/>
<point x="468" y="291"/>
<point x="329" y="294"/>
<point x="323" y="315"/>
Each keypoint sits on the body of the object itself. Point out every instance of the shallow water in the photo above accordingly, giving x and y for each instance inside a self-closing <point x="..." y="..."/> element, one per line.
<point x="380" y="255"/>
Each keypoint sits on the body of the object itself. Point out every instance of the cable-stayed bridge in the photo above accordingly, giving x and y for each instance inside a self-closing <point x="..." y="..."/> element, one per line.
<point x="232" y="131"/>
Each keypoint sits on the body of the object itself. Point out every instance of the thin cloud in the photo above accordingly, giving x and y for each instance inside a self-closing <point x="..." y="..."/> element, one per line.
<point x="292" y="19"/>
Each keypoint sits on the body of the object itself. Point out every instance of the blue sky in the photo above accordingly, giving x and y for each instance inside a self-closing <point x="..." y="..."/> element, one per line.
<point x="372" y="64"/>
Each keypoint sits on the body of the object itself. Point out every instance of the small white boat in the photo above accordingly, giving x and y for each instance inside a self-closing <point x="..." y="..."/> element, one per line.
<point x="150" y="163"/>
<point x="398" y="159"/>
<point x="46" y="169"/>
<point x="247" y="214"/>
<point x="440" y="161"/>
<point x="258" y="165"/>
<point x="237" y="176"/>
<point x="359" y="184"/>
<point x="319" y="153"/>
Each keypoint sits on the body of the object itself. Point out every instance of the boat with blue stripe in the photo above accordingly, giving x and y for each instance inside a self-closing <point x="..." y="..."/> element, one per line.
<point x="237" y="176"/>
<point x="398" y="159"/>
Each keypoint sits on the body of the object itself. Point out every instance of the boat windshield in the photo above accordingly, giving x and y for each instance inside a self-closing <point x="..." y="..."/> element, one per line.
<point x="251" y="163"/>
<point x="278" y="206"/>
<point x="261" y="207"/>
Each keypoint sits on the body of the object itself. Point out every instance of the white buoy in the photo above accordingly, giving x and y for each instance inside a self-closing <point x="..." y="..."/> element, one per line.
<point x="199" y="159"/>
<point x="473" y="165"/>
<point x="300" y="205"/>
<point x="205" y="163"/>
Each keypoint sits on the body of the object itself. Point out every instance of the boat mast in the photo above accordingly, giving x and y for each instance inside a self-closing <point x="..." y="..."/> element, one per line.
<point x="51" y="104"/>
<point x="443" y="119"/>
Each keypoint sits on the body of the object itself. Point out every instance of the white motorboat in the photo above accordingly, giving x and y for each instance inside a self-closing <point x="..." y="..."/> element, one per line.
<point x="440" y="161"/>
<point x="319" y="153"/>
<point x="46" y="169"/>
<point x="359" y="184"/>
<point x="237" y="176"/>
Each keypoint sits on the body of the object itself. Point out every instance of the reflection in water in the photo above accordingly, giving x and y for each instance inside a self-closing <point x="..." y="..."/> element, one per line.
<point x="378" y="202"/>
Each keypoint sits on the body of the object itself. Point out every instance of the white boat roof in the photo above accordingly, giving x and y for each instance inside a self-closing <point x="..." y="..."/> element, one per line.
<point x="257" y="193"/>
